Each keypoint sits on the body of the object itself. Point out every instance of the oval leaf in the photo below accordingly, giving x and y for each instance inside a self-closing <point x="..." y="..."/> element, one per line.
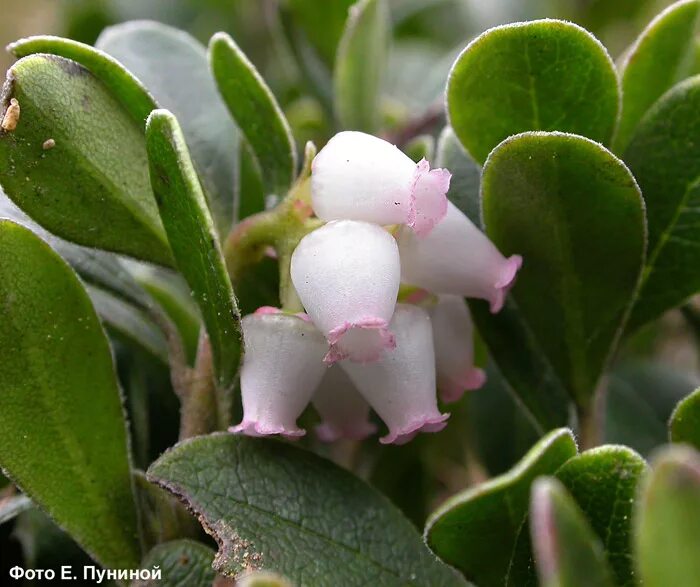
<point x="182" y="563"/>
<point x="575" y="214"/>
<point x="667" y="521"/>
<point x="475" y="531"/>
<point x="62" y="431"/>
<point x="685" y="420"/>
<point x="94" y="170"/>
<point x="567" y="551"/>
<point x="193" y="239"/>
<point x="275" y="507"/>
<point x="664" y="156"/>
<point x="173" y="66"/>
<point x="256" y="113"/>
<point x="659" y="58"/>
<point x="529" y="76"/>
<point x="359" y="67"/>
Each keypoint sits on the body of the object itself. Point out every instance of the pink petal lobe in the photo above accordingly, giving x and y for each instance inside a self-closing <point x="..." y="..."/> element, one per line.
<point x="328" y="432"/>
<point x="251" y="428"/>
<point x="452" y="390"/>
<point x="505" y="282"/>
<point x="428" y="200"/>
<point x="362" y="341"/>
<point x="408" y="432"/>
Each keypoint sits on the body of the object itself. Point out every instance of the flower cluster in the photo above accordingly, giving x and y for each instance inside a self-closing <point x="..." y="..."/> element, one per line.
<point x="388" y="222"/>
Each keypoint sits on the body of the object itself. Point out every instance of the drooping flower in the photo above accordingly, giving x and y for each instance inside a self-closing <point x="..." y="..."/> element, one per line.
<point x="281" y="369"/>
<point x="347" y="276"/>
<point x="400" y="387"/>
<point x="345" y="413"/>
<point x="358" y="176"/>
<point x="457" y="258"/>
<point x="453" y="337"/>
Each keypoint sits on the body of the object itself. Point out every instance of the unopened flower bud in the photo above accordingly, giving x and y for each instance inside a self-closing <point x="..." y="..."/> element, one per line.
<point x="358" y="176"/>
<point x="457" y="258"/>
<point x="345" y="413"/>
<point x="281" y="368"/>
<point x="347" y="276"/>
<point x="400" y="387"/>
<point x="453" y="336"/>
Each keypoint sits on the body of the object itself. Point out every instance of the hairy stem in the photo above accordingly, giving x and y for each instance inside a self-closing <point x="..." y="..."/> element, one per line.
<point x="591" y="417"/>
<point x="198" y="410"/>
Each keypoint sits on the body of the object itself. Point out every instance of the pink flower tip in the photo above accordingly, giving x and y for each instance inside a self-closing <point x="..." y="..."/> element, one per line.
<point x="505" y="282"/>
<point x="251" y="428"/>
<point x="267" y="310"/>
<point x="362" y="341"/>
<point x="328" y="432"/>
<point x="428" y="204"/>
<point x="452" y="390"/>
<point x="408" y="432"/>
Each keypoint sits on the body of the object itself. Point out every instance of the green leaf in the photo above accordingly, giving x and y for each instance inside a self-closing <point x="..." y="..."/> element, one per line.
<point x="133" y="96"/>
<point x="685" y="421"/>
<point x="250" y="195"/>
<point x="256" y="113"/>
<point x="475" y="531"/>
<point x="667" y="521"/>
<point x="575" y="214"/>
<point x="660" y="57"/>
<point x="182" y="563"/>
<point x="275" y="507"/>
<point x="358" y="77"/>
<point x="466" y="175"/>
<point x="62" y="431"/>
<point x="173" y="66"/>
<point x="12" y="506"/>
<point x="542" y="75"/>
<point x="664" y="156"/>
<point x="96" y="174"/>
<point x="193" y="239"/>
<point x="567" y="552"/>
<point x="603" y="481"/>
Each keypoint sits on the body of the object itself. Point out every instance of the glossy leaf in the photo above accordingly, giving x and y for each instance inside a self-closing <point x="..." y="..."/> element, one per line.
<point x="529" y="76"/>
<point x="256" y="113"/>
<point x="567" y="552"/>
<point x="182" y="563"/>
<point x="174" y="68"/>
<point x="193" y="239"/>
<point x="659" y="58"/>
<point x="667" y="521"/>
<point x="272" y="506"/>
<point x="95" y="175"/>
<point x="685" y="421"/>
<point x="475" y="531"/>
<point x="360" y="63"/>
<point x="575" y="214"/>
<point x="121" y="83"/>
<point x="664" y="156"/>
<point x="62" y="430"/>
<point x="466" y="175"/>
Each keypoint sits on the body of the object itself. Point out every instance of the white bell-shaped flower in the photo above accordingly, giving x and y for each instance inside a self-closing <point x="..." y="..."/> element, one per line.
<point x="400" y="387"/>
<point x="347" y="276"/>
<point x="453" y="336"/>
<point x="457" y="258"/>
<point x="282" y="367"/>
<point x="357" y="176"/>
<point x="344" y="412"/>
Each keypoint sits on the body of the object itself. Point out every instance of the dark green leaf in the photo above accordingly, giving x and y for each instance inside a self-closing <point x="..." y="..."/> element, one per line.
<point x="276" y="507"/>
<point x="567" y="552"/>
<point x="475" y="531"/>
<point x="667" y="521"/>
<point x="664" y="156"/>
<point x="96" y="174"/>
<point x="256" y="113"/>
<point x="466" y="175"/>
<point x="193" y="239"/>
<point x="182" y="563"/>
<point x="12" y="506"/>
<point x="540" y="75"/>
<point x="250" y="195"/>
<point x="685" y="421"/>
<point x="604" y="481"/>
<point x="133" y="96"/>
<point x="358" y="77"/>
<point x="659" y="58"/>
<point x="62" y="431"/>
<point x="174" y="68"/>
<point x="575" y="214"/>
